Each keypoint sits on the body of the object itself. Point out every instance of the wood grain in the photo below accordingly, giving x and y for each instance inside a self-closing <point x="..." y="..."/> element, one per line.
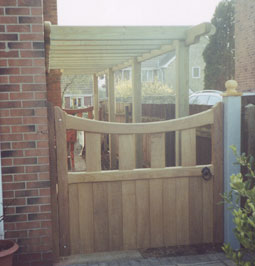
<point x="53" y="181"/>
<point x="170" y="212"/>
<point x="115" y="216"/>
<point x="93" y="152"/>
<point x="217" y="160"/>
<point x="101" y="218"/>
<point x="86" y="217"/>
<point x="208" y="211"/>
<point x="127" y="161"/>
<point x="143" y="214"/>
<point x="74" y="219"/>
<point x="156" y="191"/>
<point x="94" y="126"/>
<point x="63" y="199"/>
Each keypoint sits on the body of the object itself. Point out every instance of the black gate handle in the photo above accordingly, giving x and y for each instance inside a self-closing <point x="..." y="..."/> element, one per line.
<point x="206" y="173"/>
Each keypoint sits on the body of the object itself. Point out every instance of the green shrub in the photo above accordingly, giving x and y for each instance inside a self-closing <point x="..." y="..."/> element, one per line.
<point x="244" y="216"/>
<point x="124" y="88"/>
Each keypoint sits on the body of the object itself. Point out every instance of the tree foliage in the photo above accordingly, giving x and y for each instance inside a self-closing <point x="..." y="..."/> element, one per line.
<point x="220" y="51"/>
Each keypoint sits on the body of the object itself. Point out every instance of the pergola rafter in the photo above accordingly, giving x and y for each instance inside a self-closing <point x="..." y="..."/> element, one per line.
<point x="78" y="47"/>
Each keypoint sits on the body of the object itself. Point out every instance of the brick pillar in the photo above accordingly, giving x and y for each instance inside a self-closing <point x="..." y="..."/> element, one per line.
<point x="54" y="76"/>
<point x="50" y="11"/>
<point x="54" y="87"/>
<point x="24" y="131"/>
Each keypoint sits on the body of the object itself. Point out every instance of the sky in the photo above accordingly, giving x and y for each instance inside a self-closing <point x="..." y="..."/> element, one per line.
<point x="135" y="12"/>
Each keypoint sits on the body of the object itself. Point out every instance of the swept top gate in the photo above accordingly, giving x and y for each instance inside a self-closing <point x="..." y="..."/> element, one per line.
<point x="139" y="208"/>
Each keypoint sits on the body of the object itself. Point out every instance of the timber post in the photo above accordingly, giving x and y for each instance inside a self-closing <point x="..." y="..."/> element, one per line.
<point x="137" y="109"/>
<point x="232" y="136"/>
<point x="111" y="118"/>
<point x="96" y="102"/>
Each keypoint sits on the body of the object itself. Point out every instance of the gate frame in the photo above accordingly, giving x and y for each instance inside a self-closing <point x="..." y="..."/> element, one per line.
<point x="59" y="184"/>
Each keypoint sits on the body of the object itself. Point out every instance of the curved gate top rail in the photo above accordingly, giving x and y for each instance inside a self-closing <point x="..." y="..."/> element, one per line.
<point x="94" y="126"/>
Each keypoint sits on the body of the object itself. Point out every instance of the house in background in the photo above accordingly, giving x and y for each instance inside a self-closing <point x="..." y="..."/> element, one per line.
<point x="162" y="68"/>
<point x="77" y="91"/>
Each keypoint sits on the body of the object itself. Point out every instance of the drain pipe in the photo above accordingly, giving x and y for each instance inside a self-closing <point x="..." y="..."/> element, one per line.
<point x="1" y="203"/>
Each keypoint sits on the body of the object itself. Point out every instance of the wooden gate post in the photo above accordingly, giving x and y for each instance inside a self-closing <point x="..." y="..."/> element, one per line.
<point x="63" y="193"/>
<point x="53" y="181"/>
<point x="232" y="136"/>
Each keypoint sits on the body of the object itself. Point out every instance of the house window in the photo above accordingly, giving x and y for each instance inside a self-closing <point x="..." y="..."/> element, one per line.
<point x="195" y="72"/>
<point x="76" y="102"/>
<point x="147" y="75"/>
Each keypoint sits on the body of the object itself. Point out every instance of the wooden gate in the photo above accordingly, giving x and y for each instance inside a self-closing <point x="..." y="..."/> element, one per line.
<point x="138" y="208"/>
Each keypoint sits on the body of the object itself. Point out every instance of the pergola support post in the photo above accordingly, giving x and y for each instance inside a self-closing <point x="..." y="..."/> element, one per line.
<point x="182" y="91"/>
<point x="96" y="100"/>
<point x="137" y="109"/>
<point x="111" y="118"/>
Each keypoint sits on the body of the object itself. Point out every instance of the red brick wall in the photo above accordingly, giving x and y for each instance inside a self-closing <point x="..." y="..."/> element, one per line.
<point x="23" y="130"/>
<point x="245" y="44"/>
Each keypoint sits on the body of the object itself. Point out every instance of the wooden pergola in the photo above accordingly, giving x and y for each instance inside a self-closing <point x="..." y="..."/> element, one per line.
<point x="102" y="50"/>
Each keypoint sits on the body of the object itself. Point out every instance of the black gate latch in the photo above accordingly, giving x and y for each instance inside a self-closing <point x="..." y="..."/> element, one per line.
<point x="206" y="173"/>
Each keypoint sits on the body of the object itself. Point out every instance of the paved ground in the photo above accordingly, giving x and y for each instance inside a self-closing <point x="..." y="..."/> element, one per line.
<point x="135" y="259"/>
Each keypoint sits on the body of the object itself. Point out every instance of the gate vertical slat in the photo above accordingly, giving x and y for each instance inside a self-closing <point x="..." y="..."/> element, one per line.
<point x="195" y="187"/>
<point x="127" y="162"/>
<point x="63" y="200"/>
<point x="86" y="218"/>
<point x="170" y="212"/>
<point x="217" y="161"/>
<point x="208" y="211"/>
<point x="115" y="216"/>
<point x="156" y="190"/>
<point x="74" y="221"/>
<point x="100" y="194"/>
<point x="93" y="152"/>
<point x="188" y="158"/>
<point x="101" y="218"/>
<point x="143" y="213"/>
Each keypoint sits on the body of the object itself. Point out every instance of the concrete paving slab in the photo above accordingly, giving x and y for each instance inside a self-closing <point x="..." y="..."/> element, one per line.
<point x="134" y="258"/>
<point x="99" y="257"/>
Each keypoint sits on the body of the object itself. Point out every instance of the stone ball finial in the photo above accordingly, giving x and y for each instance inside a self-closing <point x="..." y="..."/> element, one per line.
<point x="231" y="86"/>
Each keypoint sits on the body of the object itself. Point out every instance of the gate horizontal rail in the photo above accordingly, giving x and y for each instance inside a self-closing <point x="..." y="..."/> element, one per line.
<point x="94" y="126"/>
<point x="136" y="174"/>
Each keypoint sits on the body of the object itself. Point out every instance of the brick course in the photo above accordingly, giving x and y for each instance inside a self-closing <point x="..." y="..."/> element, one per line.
<point x="24" y="133"/>
<point x="245" y="44"/>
